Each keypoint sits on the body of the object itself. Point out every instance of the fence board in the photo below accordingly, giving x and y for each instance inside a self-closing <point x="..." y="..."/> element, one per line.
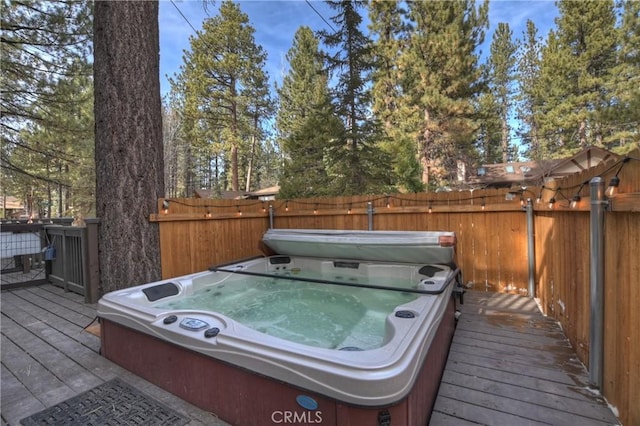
<point x="622" y="298"/>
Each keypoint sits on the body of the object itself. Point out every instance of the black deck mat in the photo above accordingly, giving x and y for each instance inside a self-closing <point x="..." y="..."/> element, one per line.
<point x="111" y="403"/>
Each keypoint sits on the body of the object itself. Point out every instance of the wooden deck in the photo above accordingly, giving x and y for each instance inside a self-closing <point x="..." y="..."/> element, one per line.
<point x="508" y="364"/>
<point x="48" y="357"/>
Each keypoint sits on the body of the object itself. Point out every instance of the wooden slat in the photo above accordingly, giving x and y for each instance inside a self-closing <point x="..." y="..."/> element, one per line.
<point x="17" y="401"/>
<point x="508" y="364"/>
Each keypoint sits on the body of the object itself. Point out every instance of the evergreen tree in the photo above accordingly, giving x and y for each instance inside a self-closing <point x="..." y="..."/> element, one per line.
<point x="64" y="141"/>
<point x="529" y="96"/>
<point x="218" y="81"/>
<point x="355" y="157"/>
<point x="623" y="112"/>
<point x="176" y="149"/>
<point x="259" y="109"/>
<point x="398" y="142"/>
<point x="576" y="64"/>
<point x="489" y="137"/>
<point x="502" y="61"/>
<point x="441" y="80"/>
<point x="45" y="72"/>
<point x="305" y="120"/>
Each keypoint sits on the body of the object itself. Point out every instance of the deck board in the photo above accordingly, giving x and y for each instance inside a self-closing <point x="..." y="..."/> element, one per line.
<point x="509" y="364"/>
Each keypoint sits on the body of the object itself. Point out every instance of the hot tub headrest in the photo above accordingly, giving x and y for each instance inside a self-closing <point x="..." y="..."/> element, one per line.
<point x="161" y="291"/>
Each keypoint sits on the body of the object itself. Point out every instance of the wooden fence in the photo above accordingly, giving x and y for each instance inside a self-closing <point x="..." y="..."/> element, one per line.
<point x="491" y="226"/>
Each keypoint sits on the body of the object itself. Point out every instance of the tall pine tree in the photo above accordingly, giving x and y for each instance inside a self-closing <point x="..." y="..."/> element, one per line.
<point x="623" y="113"/>
<point x="306" y="122"/>
<point x="389" y="32"/>
<point x="576" y="64"/>
<point x="442" y="78"/>
<point x="355" y="156"/>
<point x="219" y="81"/>
<point x="45" y="84"/>
<point x="129" y="161"/>
<point x="529" y="96"/>
<point x="502" y="61"/>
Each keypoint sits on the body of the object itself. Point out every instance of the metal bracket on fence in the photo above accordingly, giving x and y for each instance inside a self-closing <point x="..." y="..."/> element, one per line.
<point x="531" y="249"/>
<point x="271" y="214"/>
<point x="370" y="212"/>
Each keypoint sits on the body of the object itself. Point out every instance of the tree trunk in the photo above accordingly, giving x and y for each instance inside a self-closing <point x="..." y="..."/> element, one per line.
<point x="234" y="136"/>
<point x="129" y="158"/>
<point x="505" y="141"/>
<point x="252" y="152"/>
<point x="583" y="134"/>
<point x="424" y="150"/>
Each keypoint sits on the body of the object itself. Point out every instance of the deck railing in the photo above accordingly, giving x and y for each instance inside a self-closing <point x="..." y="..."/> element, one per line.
<point x="55" y="251"/>
<point x="74" y="263"/>
<point x="21" y="257"/>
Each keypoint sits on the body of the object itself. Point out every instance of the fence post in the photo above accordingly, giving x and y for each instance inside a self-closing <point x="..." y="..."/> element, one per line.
<point x="596" y="319"/>
<point x="531" y="249"/>
<point x="64" y="262"/>
<point x="270" y="216"/>
<point x="91" y="262"/>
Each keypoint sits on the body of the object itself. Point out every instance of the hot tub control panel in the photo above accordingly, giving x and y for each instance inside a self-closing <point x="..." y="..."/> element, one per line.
<point x="193" y="324"/>
<point x="210" y="327"/>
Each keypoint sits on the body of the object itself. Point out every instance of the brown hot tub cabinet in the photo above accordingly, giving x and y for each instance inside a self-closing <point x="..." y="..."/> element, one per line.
<point x="248" y="377"/>
<point x="242" y="397"/>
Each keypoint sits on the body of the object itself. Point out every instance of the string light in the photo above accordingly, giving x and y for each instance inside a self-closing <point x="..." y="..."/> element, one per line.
<point x="615" y="181"/>
<point x="576" y="198"/>
<point x="539" y="197"/>
<point x="613" y="186"/>
<point x="574" y="201"/>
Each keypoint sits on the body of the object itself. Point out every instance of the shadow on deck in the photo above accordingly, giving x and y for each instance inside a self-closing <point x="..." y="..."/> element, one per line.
<point x="508" y="364"/>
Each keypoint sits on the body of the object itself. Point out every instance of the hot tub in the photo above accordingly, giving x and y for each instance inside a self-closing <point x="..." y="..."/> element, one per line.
<point x="293" y="339"/>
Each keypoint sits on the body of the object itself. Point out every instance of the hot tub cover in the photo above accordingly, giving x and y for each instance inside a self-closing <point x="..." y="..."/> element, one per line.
<point x="429" y="247"/>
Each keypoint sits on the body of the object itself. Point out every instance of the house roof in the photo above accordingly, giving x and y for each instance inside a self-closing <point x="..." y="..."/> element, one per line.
<point x="10" y="202"/>
<point x="237" y="195"/>
<point x="535" y="172"/>
<point x="225" y="195"/>
<point x="272" y="190"/>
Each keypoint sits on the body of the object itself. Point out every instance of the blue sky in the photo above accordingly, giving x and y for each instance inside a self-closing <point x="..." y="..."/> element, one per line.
<point x="276" y="22"/>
